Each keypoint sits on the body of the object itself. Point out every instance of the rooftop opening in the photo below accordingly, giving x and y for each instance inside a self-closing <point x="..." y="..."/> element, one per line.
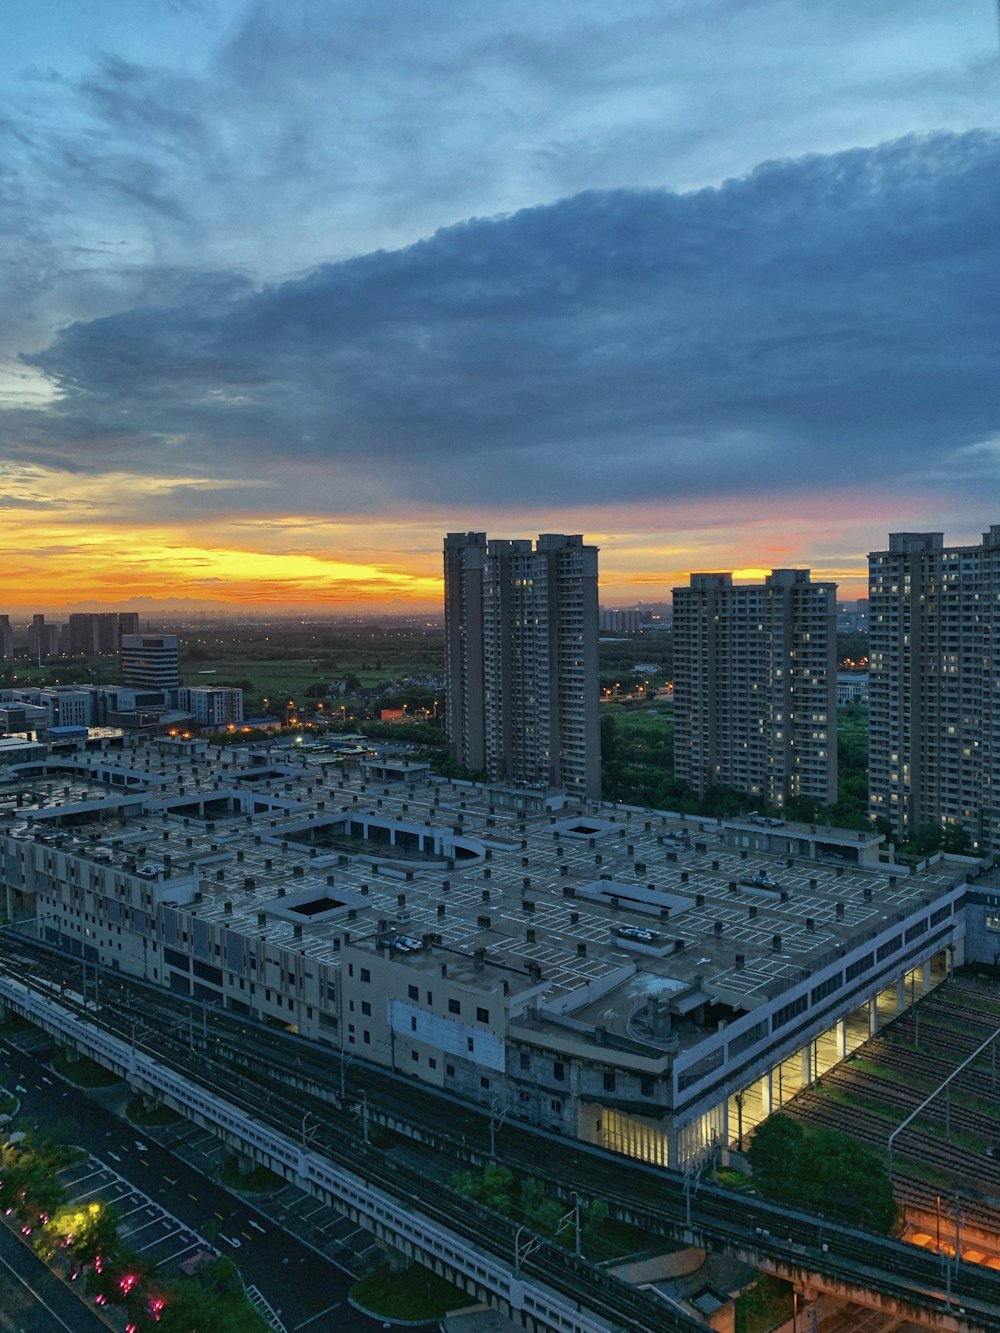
<point x="315" y="906"/>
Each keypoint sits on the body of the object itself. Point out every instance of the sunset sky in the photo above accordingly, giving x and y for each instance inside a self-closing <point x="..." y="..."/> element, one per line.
<point x="288" y="289"/>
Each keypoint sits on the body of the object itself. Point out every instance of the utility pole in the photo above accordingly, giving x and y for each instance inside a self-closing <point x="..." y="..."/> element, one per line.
<point x="364" y="1117"/>
<point x="497" y="1117"/>
<point x="309" y="1132"/>
<point x="572" y="1218"/>
<point x="345" y="1060"/>
<point x="688" y="1191"/>
<point x="521" y="1252"/>
<point x="958" y="1233"/>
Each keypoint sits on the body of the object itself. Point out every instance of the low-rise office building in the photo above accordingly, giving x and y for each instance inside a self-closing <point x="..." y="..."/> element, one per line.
<point x="643" y="981"/>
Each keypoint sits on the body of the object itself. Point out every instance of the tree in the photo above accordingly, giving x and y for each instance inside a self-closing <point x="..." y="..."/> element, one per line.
<point x="955" y="839"/>
<point x="493" y="1188"/>
<point x="774" y="1153"/>
<point x="822" y="1170"/>
<point x="86" y="1231"/>
<point x="595" y="1216"/>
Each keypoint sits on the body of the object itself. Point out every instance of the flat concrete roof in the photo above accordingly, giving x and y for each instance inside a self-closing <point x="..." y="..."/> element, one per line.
<point x="547" y="897"/>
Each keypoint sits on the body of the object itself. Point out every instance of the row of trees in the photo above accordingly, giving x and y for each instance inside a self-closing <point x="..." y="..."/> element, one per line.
<point x="822" y="1171"/>
<point x="637" y="763"/>
<point x="525" y="1200"/>
<point x="85" y="1238"/>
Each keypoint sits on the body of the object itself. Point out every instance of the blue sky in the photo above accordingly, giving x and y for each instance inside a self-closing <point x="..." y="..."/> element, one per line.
<point x="287" y="290"/>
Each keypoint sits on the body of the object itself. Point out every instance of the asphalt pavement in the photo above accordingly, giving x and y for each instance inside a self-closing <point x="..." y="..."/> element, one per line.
<point x="34" y="1300"/>
<point x="308" y="1290"/>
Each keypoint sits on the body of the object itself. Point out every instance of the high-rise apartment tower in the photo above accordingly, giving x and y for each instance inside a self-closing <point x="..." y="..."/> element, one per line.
<point x="94" y="633"/>
<point x="521" y="648"/>
<point x="934" y="690"/>
<point x="755" y="686"/>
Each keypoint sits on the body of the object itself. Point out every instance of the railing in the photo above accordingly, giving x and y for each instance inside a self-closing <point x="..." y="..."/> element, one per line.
<point x="383" y="1212"/>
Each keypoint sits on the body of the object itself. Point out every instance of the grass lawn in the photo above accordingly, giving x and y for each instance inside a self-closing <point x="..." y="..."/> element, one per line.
<point x="734" y="1180"/>
<point x="258" y="1181"/>
<point x="765" y="1304"/>
<point x="15" y="1023"/>
<point x="279" y="680"/>
<point x="83" y="1072"/>
<point x="154" y="1115"/>
<point x="415" y="1294"/>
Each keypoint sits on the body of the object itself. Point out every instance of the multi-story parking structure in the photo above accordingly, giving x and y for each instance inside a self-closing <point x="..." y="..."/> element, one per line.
<point x="639" y="980"/>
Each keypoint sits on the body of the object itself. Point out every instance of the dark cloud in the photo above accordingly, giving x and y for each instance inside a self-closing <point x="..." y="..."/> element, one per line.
<point x="833" y="317"/>
<point x="23" y="502"/>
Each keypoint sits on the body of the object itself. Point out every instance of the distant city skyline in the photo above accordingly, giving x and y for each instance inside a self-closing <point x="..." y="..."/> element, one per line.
<point x="288" y="291"/>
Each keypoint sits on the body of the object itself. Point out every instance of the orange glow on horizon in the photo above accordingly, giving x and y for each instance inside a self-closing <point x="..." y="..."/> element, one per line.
<point x="109" y="538"/>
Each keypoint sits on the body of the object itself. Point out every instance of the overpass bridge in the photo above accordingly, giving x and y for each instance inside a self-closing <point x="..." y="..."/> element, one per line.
<point x="485" y="1256"/>
<point x="222" y="1060"/>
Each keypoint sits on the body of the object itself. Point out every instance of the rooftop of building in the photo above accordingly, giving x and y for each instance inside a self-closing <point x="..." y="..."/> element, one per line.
<point x="597" y="907"/>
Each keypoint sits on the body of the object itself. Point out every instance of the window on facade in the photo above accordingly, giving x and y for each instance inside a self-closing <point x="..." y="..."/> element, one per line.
<point x="366" y="1008"/>
<point x="484" y="1083"/>
<point x="609" y="1082"/>
<point x="366" y="974"/>
<point x="525" y="1060"/>
<point x="556" y="1106"/>
<point x="482" y="1015"/>
<point x="450" y="1070"/>
<point x="558" y="1070"/>
<point x="415" y="1057"/>
<point x="470" y="1044"/>
<point x="366" y="1037"/>
<point x="432" y="1062"/>
<point x="413" y="992"/>
<point x="454" y="1006"/>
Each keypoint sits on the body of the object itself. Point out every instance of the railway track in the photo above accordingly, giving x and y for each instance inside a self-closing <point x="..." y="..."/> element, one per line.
<point x="264" y="1066"/>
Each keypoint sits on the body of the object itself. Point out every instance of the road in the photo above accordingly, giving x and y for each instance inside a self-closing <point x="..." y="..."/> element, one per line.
<point x="309" y="1291"/>
<point x="33" y="1300"/>
<point x="273" y="1067"/>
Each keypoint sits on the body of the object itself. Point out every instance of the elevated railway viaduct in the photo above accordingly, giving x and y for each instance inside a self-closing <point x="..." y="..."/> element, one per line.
<point x="254" y="1087"/>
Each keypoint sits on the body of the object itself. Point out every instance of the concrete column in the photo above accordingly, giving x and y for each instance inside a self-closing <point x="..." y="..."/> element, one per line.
<point x="841" y="1038"/>
<point x="807" y="1052"/>
<point x="766" y="1093"/>
<point x="873" y="1016"/>
<point x="725" y="1122"/>
<point x="925" y="977"/>
<point x="901" y="993"/>
<point x="673" y="1150"/>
